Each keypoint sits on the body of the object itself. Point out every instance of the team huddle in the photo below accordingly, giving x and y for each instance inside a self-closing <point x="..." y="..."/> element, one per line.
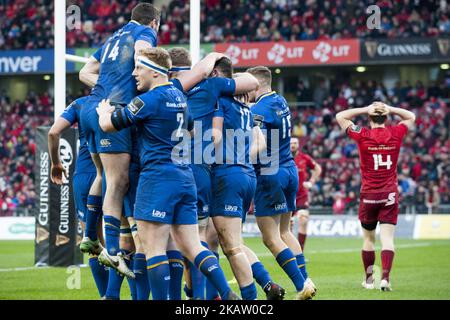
<point x="172" y="156"/>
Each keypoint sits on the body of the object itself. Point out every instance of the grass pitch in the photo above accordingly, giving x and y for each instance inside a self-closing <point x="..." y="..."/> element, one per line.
<point x="421" y="270"/>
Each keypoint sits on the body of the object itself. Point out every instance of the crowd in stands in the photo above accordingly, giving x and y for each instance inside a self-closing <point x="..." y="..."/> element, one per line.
<point x="29" y="24"/>
<point x="18" y="124"/>
<point x="424" y="163"/>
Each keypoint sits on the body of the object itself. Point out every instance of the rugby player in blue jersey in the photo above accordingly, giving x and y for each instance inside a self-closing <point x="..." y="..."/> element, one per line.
<point x="166" y="194"/>
<point x="277" y="182"/>
<point x="109" y="71"/>
<point x="83" y="177"/>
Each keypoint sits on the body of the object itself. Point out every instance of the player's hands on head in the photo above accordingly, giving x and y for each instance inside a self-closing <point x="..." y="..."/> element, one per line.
<point x="307" y="185"/>
<point x="105" y="107"/>
<point x="378" y="108"/>
<point x="57" y="172"/>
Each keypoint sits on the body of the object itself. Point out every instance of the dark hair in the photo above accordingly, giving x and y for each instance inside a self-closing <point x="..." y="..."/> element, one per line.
<point x="378" y="119"/>
<point x="144" y="13"/>
<point x="225" y="66"/>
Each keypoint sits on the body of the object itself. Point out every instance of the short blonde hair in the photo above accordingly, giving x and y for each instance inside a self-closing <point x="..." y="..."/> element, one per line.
<point x="158" y="55"/>
<point x="262" y="74"/>
<point x="180" y="57"/>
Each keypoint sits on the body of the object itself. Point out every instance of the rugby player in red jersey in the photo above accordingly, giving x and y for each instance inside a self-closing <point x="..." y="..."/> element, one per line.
<point x="303" y="163"/>
<point x="379" y="148"/>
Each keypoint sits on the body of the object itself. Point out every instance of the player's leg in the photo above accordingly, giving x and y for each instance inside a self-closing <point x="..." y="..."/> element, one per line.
<point x="116" y="168"/>
<point x="303" y="218"/>
<point x="368" y="216"/>
<point x="197" y="282"/>
<point x="273" y="290"/>
<point x="127" y="249"/>
<point x="387" y="232"/>
<point x="212" y="239"/>
<point x="229" y="231"/>
<point x="90" y="243"/>
<point x="139" y="263"/>
<point x="188" y="240"/>
<point x="185" y="233"/>
<point x="368" y="254"/>
<point x="270" y="230"/>
<point x="291" y="241"/>
<point x="154" y="238"/>
<point x="176" y="265"/>
<point x="81" y="186"/>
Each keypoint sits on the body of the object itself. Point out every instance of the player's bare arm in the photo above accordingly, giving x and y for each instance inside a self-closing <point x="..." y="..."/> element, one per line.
<point x="200" y="71"/>
<point x="89" y="72"/>
<point x="315" y="174"/>
<point x="217" y="127"/>
<point x="408" y="117"/>
<point x="343" y="118"/>
<point x="104" y="111"/>
<point x="245" y="82"/>
<point x="57" y="169"/>
<point x="258" y="143"/>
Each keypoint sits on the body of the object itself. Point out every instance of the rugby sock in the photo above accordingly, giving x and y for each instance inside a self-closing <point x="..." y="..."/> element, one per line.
<point x="139" y="269"/>
<point x="387" y="257"/>
<point x="368" y="258"/>
<point x="302" y="264"/>
<point x="287" y="261"/>
<point x="131" y="282"/>
<point x="114" y="284"/>
<point x="211" y="291"/>
<point x="207" y="262"/>
<point x="249" y="292"/>
<point x="93" y="214"/>
<point x="100" y="275"/>
<point x="176" y="267"/>
<point x="188" y="292"/>
<point x="112" y="234"/>
<point x="301" y="240"/>
<point x="198" y="282"/>
<point x="261" y="275"/>
<point x="158" y="271"/>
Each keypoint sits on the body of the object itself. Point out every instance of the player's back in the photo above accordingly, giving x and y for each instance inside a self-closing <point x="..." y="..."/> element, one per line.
<point x="271" y="111"/>
<point x="236" y="134"/>
<point x="202" y="100"/>
<point x="72" y="114"/>
<point x="116" y="59"/>
<point x="379" y="149"/>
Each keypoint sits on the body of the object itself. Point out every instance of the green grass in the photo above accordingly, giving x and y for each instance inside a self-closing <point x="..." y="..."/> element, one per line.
<point x="421" y="271"/>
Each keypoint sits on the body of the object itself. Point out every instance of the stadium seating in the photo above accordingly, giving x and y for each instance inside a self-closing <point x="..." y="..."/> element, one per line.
<point x="226" y="21"/>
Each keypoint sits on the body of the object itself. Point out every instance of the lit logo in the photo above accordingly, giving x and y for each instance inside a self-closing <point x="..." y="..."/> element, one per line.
<point x="277" y="53"/>
<point x="158" y="214"/>
<point x="233" y="52"/>
<point x="322" y="52"/>
<point x="230" y="208"/>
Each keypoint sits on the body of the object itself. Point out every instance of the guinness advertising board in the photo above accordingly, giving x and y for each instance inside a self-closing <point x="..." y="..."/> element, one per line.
<point x="406" y="50"/>
<point x="57" y="228"/>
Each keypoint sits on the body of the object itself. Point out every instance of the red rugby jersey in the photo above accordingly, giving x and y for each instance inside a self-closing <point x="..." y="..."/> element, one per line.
<point x="303" y="161"/>
<point x="378" y="155"/>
